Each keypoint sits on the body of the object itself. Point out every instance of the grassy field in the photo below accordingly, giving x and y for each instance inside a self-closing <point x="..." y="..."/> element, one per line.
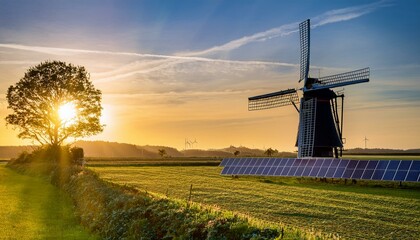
<point x="203" y="161"/>
<point x="31" y="208"/>
<point x="382" y="157"/>
<point x="352" y="211"/>
<point x="135" y="161"/>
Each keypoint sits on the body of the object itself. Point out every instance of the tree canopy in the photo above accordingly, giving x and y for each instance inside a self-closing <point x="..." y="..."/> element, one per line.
<point x="270" y="152"/>
<point x="162" y="152"/>
<point x="54" y="101"/>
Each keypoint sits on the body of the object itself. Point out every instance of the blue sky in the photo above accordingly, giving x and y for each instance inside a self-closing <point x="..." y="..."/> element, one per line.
<point x="171" y="70"/>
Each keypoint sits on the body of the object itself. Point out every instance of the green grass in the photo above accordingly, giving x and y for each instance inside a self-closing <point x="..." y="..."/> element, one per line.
<point x="152" y="162"/>
<point x="352" y="211"/>
<point x="31" y="208"/>
<point x="382" y="157"/>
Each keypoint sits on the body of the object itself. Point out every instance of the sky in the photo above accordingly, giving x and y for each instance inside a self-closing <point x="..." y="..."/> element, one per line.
<point x="176" y="70"/>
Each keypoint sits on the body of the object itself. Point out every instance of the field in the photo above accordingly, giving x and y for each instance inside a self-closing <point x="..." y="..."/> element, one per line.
<point x="135" y="161"/>
<point x="351" y="211"/>
<point x="382" y="157"/>
<point x="31" y="208"/>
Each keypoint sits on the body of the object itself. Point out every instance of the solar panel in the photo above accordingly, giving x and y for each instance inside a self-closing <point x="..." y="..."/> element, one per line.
<point x="389" y="170"/>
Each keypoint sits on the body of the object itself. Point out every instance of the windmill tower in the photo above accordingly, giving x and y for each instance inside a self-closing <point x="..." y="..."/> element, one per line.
<point x="320" y="131"/>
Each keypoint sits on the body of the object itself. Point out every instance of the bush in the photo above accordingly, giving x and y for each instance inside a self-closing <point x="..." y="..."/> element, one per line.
<point x="59" y="163"/>
<point x="118" y="212"/>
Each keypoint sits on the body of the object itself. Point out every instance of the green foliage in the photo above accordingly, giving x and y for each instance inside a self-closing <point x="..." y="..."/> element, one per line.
<point x="77" y="153"/>
<point x="37" y="97"/>
<point x="270" y="152"/>
<point x="351" y="211"/>
<point x="57" y="162"/>
<point x="31" y="208"/>
<point x="162" y="152"/>
<point x="119" y="212"/>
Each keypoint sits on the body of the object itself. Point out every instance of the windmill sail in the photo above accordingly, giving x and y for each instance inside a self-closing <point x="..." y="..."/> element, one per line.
<point x="306" y="137"/>
<point x="342" y="79"/>
<point x="304" y="30"/>
<point x="273" y="100"/>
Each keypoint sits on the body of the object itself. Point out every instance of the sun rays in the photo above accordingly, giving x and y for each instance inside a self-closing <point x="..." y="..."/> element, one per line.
<point x="68" y="113"/>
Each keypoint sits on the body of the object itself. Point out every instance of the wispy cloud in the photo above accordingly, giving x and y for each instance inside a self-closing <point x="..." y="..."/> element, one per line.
<point x="333" y="16"/>
<point x="157" y="62"/>
<point x="11" y="62"/>
<point x="345" y="14"/>
<point x="261" y="36"/>
<point x="66" y="51"/>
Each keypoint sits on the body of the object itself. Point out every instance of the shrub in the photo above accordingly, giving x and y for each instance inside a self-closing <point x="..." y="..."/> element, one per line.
<point x="119" y="212"/>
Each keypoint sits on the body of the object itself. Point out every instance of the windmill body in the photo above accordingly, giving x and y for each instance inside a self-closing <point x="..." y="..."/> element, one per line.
<point x="320" y="108"/>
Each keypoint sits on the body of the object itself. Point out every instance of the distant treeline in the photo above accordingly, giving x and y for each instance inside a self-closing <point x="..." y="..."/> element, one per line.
<point x="7" y="152"/>
<point x="103" y="149"/>
<point x="382" y="151"/>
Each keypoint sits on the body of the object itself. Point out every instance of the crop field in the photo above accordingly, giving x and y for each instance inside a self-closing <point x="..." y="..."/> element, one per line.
<point x="382" y="157"/>
<point x="351" y="211"/>
<point x="31" y="208"/>
<point x="135" y="161"/>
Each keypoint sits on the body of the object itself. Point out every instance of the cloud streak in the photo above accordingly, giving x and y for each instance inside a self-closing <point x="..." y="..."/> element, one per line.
<point x="333" y="16"/>
<point x="345" y="14"/>
<point x="65" y="51"/>
<point x="158" y="62"/>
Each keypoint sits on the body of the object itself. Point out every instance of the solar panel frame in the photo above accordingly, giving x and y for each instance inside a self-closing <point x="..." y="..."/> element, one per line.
<point x="372" y="164"/>
<point x="389" y="175"/>
<point x="400" y="175"/>
<point x="224" y="170"/>
<point x="367" y="174"/>
<point x="235" y="171"/>
<point x="378" y="174"/>
<point x="359" y="170"/>
<point x="330" y="172"/>
<point x="308" y="168"/>
<point x="229" y="170"/>
<point x="393" y="164"/>
<point x="382" y="165"/>
<point x="294" y="167"/>
<point x="341" y="168"/>
<point x="316" y="167"/>
<point x="239" y="170"/>
<point x="415" y="165"/>
<point x="286" y="167"/>
<point x="405" y="165"/>
<point x="413" y="176"/>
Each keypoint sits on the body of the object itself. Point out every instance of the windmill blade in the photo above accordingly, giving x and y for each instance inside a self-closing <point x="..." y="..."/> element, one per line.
<point x="343" y="79"/>
<point x="304" y="30"/>
<point x="307" y="123"/>
<point x="273" y="100"/>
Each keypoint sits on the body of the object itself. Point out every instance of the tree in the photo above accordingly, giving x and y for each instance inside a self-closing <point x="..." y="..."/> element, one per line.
<point x="269" y="152"/>
<point x="162" y="152"/>
<point x="236" y="153"/>
<point x="54" y="101"/>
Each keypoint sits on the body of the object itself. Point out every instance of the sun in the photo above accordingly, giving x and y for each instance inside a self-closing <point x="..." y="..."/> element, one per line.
<point x="67" y="113"/>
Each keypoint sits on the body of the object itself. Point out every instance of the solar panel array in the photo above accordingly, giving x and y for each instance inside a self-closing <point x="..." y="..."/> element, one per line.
<point x="391" y="170"/>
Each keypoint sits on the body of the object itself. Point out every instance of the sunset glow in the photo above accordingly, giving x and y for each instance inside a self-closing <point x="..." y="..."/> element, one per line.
<point x="171" y="70"/>
<point x="67" y="113"/>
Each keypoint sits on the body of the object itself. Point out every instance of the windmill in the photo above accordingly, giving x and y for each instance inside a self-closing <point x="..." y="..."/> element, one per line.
<point x="189" y="143"/>
<point x="320" y="122"/>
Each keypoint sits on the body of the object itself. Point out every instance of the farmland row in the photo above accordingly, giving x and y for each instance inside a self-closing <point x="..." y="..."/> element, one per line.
<point x="351" y="211"/>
